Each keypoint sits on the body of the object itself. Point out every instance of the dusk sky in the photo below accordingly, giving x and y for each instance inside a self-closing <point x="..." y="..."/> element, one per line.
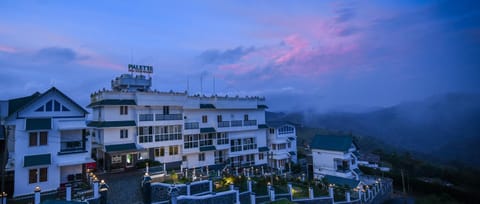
<point x="300" y="55"/>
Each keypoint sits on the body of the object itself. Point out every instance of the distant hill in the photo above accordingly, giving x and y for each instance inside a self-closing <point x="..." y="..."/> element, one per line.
<point x="443" y="127"/>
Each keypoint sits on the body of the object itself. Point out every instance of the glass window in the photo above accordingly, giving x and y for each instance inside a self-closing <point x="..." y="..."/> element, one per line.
<point x="201" y="157"/>
<point x="43" y="138"/>
<point x="204" y="119"/>
<point x="56" y="105"/>
<point x="43" y="174"/>
<point x="48" y="107"/>
<point x="32" y="139"/>
<point x="32" y="176"/>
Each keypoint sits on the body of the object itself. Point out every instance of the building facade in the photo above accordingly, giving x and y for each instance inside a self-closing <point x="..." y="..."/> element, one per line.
<point x="282" y="142"/>
<point x="334" y="155"/>
<point x="131" y="122"/>
<point x="47" y="141"/>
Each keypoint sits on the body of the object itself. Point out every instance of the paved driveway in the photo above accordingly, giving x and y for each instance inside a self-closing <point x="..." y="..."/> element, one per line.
<point x="124" y="187"/>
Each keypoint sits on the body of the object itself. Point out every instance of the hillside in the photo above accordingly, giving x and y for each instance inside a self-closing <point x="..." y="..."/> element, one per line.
<point x="443" y="127"/>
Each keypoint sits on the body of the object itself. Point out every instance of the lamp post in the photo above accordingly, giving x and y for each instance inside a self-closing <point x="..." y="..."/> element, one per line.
<point x="271" y="167"/>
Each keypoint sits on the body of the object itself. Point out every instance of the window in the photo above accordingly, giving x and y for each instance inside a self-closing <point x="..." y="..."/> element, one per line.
<point x="41" y="109"/>
<point x="289" y="145"/>
<point x="124" y="133"/>
<point x="190" y="141"/>
<point x="173" y="150"/>
<point x="145" y="134"/>
<point x="116" y="159"/>
<point x="260" y="156"/>
<point x="184" y="158"/>
<point x="219" y="118"/>
<point x="160" y="152"/>
<point x="201" y="157"/>
<point x="37" y="138"/>
<point x="52" y="105"/>
<point x="166" y="133"/>
<point x="285" y="130"/>
<point x="236" y="145"/>
<point x="272" y="131"/>
<point x="48" y="107"/>
<point x="123" y="110"/>
<point x="206" y="139"/>
<point x="204" y="119"/>
<point x="222" y="138"/>
<point x="220" y="156"/>
<point x="99" y="113"/>
<point x="56" y="106"/>
<point x="166" y="110"/>
<point x="38" y="175"/>
<point x="245" y="117"/>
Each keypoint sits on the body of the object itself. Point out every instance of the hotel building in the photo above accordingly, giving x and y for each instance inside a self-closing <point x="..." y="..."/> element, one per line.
<point x="132" y="122"/>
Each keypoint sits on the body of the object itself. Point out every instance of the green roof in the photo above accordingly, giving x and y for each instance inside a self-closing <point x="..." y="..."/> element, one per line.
<point x="340" y="181"/>
<point x="262" y="106"/>
<point x="292" y="153"/>
<point x="207" y="105"/>
<point x="123" y="123"/>
<point x="113" y="102"/>
<point x="262" y="126"/>
<point x="15" y="104"/>
<point x="121" y="147"/>
<point x="291" y="138"/>
<point x="263" y="149"/>
<point x="37" y="160"/>
<point x="38" y="124"/>
<point x="207" y="148"/>
<point x="207" y="130"/>
<point x="332" y="142"/>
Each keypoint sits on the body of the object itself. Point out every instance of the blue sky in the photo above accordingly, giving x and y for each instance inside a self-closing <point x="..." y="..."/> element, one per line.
<point x="300" y="55"/>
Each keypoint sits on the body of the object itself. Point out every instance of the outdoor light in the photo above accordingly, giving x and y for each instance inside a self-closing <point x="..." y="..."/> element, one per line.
<point x="37" y="189"/>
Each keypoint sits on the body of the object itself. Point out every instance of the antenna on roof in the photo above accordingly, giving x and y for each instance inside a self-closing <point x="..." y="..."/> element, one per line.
<point x="201" y="84"/>
<point x="188" y="85"/>
<point x="213" y="84"/>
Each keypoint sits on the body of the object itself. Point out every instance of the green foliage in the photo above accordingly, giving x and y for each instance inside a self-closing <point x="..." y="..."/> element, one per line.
<point x="142" y="163"/>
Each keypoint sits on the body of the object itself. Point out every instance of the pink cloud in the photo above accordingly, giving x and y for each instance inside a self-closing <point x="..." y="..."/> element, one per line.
<point x="8" y="49"/>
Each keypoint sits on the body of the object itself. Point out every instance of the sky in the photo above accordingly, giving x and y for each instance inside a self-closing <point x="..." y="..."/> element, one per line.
<point x="300" y="55"/>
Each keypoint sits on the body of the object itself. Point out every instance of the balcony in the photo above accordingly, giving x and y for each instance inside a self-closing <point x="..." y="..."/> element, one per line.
<point x="237" y="123"/>
<point x="160" y="117"/>
<point x="191" y="126"/>
<point x="250" y="122"/>
<point x="70" y="147"/>
<point x="223" y="124"/>
<point x="145" y="117"/>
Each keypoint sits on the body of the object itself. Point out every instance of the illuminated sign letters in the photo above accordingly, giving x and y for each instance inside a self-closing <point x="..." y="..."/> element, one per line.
<point x="140" y="68"/>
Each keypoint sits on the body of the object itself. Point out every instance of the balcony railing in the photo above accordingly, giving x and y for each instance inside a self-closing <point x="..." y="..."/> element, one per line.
<point x="145" y="117"/>
<point x="191" y="126"/>
<point x="222" y="124"/>
<point x="72" y="146"/>
<point x="250" y="122"/>
<point x="237" y="123"/>
<point x="159" y="117"/>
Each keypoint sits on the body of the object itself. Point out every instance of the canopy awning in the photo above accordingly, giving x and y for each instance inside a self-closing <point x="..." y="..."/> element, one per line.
<point x="38" y="124"/>
<point x="207" y="148"/>
<point x="37" y="160"/>
<point x="118" y="148"/>
<point x="71" y="124"/>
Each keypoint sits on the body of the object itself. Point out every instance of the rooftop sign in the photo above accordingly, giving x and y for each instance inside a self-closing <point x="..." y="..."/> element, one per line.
<point x="140" y="68"/>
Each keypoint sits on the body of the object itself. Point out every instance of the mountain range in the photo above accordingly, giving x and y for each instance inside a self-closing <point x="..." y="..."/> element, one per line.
<point x="442" y="128"/>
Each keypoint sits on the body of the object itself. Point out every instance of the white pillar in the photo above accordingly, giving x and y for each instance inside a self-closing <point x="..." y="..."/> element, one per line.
<point x="218" y="173"/>
<point x="252" y="198"/>
<point x="290" y="190"/>
<point x="96" y="193"/>
<point x="4" y="198"/>
<point x="210" y="182"/>
<point x="330" y="191"/>
<point x="365" y="196"/>
<point x="347" y="196"/>
<point x="68" y="195"/>
<point x="249" y="183"/>
<point x="165" y="168"/>
<point x="272" y="194"/>
<point x="238" y="195"/>
<point x="37" y="195"/>
<point x="263" y="171"/>
<point x="369" y="194"/>
<point x="310" y="193"/>
<point x="146" y="167"/>
<point x="188" y="189"/>
<point x="231" y="186"/>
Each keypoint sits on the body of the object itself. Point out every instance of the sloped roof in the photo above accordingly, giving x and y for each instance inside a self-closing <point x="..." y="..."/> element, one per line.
<point x="332" y="142"/>
<point x="121" y="147"/>
<point x="17" y="104"/>
<point x="37" y="160"/>
<point x="340" y="181"/>
<point x="122" y="123"/>
<point x="113" y="102"/>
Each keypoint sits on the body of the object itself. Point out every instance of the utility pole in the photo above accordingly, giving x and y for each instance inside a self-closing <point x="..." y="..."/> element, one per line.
<point x="5" y="152"/>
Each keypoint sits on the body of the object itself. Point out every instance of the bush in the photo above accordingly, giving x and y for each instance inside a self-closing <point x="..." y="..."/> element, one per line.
<point x="141" y="164"/>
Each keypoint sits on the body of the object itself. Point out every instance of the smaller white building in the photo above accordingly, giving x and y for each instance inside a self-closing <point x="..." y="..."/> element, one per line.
<point x="282" y="140"/>
<point x="46" y="141"/>
<point x="334" y="155"/>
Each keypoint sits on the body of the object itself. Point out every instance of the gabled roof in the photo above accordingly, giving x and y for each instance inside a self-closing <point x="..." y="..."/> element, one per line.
<point x="113" y="102"/>
<point x="339" y="143"/>
<point x="276" y="124"/>
<point x="340" y="181"/>
<point x="17" y="104"/>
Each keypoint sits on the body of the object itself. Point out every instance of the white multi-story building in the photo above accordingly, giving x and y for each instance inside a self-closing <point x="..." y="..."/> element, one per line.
<point x="132" y="122"/>
<point x="282" y="141"/>
<point x="334" y="155"/>
<point x="46" y="141"/>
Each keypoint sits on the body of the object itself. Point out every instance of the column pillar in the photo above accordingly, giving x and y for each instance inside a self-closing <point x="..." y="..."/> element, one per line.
<point x="290" y="190"/>
<point x="238" y="194"/>
<point x="310" y="193"/>
<point x="68" y="192"/>
<point x="249" y="183"/>
<point x="95" y="189"/>
<point x="188" y="189"/>
<point x="272" y="194"/>
<point x="347" y="195"/>
<point x="252" y="198"/>
<point x="37" y="195"/>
